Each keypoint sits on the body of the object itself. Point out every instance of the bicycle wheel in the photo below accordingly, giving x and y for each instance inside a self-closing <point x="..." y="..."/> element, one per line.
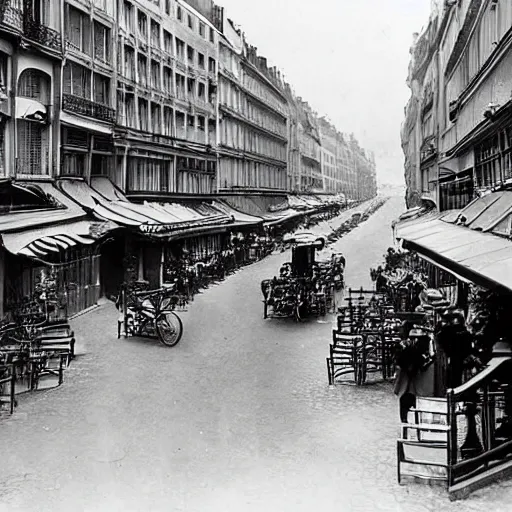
<point x="169" y="328"/>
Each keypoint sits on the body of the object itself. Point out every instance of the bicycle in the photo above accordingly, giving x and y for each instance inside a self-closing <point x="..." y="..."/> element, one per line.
<point x="150" y="313"/>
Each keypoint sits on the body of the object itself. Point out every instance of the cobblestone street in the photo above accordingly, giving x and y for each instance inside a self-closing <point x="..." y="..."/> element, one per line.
<point x="237" y="417"/>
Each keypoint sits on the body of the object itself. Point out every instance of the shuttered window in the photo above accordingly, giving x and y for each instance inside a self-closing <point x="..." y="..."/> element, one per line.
<point x="101" y="42"/>
<point x="32" y="148"/>
<point x="34" y="84"/>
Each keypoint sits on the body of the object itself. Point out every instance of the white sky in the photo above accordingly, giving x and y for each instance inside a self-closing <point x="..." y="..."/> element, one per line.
<point x="347" y="58"/>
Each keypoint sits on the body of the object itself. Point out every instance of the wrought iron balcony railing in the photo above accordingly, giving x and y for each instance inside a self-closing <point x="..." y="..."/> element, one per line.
<point x="41" y="34"/>
<point x="88" y="108"/>
<point x="11" y="14"/>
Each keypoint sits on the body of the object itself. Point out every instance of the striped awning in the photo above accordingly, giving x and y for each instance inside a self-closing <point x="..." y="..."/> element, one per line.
<point x="47" y="241"/>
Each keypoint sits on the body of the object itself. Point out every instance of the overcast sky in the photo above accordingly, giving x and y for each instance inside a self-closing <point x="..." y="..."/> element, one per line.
<point x="347" y="58"/>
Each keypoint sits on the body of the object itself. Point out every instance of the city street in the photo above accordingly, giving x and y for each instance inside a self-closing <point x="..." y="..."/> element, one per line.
<point x="237" y="417"/>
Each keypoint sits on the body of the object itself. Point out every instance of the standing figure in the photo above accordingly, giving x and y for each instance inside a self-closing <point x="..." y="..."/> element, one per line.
<point x="415" y="371"/>
<point x="454" y="348"/>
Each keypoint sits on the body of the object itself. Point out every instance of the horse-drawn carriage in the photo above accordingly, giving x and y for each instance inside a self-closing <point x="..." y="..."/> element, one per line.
<point x="305" y="286"/>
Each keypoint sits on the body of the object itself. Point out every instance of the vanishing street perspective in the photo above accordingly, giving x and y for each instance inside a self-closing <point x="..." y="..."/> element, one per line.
<point x="218" y="295"/>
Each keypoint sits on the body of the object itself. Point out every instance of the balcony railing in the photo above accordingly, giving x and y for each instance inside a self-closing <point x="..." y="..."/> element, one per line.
<point x="12" y="14"/>
<point x="87" y="108"/>
<point x="41" y="34"/>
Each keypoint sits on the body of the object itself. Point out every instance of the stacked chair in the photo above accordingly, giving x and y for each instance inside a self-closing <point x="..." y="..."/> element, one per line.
<point x="34" y="352"/>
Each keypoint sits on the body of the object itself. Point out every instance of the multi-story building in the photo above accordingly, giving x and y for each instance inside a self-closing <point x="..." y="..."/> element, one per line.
<point x="328" y="136"/>
<point x="166" y="100"/>
<point x="311" y="178"/>
<point x="457" y="130"/>
<point x="253" y="132"/>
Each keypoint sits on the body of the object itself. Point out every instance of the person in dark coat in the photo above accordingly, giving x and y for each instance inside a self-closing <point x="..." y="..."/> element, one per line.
<point x="415" y="371"/>
<point x="454" y="351"/>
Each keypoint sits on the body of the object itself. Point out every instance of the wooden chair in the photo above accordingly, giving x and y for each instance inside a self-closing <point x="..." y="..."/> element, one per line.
<point x="424" y="455"/>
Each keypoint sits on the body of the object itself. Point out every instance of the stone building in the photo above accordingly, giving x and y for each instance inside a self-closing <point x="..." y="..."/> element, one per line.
<point x="456" y="134"/>
<point x="253" y="124"/>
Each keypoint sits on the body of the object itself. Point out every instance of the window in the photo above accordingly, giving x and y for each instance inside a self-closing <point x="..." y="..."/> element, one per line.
<point x="168" y="7"/>
<point x="77" y="80"/>
<point x="148" y="174"/>
<point x="191" y="122"/>
<point x="155" y="34"/>
<point x="128" y="16"/>
<point x="190" y="22"/>
<point x="180" y="49"/>
<point x="168" y="42"/>
<point x="180" y="86"/>
<point x="130" y="110"/>
<point x="180" y="125"/>
<point x="143" y="26"/>
<point x="32" y="147"/>
<point x="142" y="65"/>
<point x="167" y="80"/>
<point x="201" y="91"/>
<point x="143" y="115"/>
<point x="191" y="87"/>
<point x="211" y="65"/>
<point x="156" y="121"/>
<point x="101" y="89"/>
<point x="155" y="74"/>
<point x="34" y="84"/>
<point x="212" y="35"/>
<point x="200" y="60"/>
<point x="78" y="30"/>
<point x="201" y="123"/>
<point x="129" y="63"/>
<point x="168" y="121"/>
<point x="201" y="29"/>
<point x="101" y="42"/>
<point x="190" y="54"/>
<point x="179" y="14"/>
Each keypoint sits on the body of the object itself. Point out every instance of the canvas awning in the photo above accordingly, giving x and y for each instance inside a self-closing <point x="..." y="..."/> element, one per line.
<point x="85" y="124"/>
<point x="41" y="242"/>
<point x="482" y="258"/>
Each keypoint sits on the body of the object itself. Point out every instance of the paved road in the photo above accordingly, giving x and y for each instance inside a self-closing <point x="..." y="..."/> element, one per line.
<point x="238" y="417"/>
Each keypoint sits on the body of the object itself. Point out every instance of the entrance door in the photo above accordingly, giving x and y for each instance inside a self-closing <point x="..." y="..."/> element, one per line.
<point x="112" y="267"/>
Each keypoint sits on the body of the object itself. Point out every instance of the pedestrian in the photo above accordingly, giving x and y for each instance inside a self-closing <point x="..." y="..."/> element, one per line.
<point x="454" y="351"/>
<point x="415" y="372"/>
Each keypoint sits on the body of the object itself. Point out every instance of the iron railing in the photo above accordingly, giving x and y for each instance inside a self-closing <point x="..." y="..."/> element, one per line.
<point x="41" y="34"/>
<point x="88" y="108"/>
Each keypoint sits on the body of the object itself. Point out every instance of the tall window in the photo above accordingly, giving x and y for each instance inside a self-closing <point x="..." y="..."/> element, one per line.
<point x="168" y="42"/>
<point x="101" y="42"/>
<point x="128" y="16"/>
<point x="155" y="34"/>
<point x="200" y="60"/>
<point x="34" y="84"/>
<point x="131" y="119"/>
<point x="78" y="30"/>
<point x="155" y="74"/>
<point x="143" y="114"/>
<point x="190" y="54"/>
<point x="180" y="49"/>
<point x="156" y="120"/>
<point x="168" y="121"/>
<point x="142" y="22"/>
<point x="167" y="80"/>
<point x="142" y="64"/>
<point x="101" y="89"/>
<point x="77" y="80"/>
<point x="129" y="63"/>
<point x="32" y="147"/>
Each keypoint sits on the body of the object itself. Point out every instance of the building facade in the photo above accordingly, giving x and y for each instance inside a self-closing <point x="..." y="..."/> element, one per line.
<point x="253" y="114"/>
<point x="457" y="128"/>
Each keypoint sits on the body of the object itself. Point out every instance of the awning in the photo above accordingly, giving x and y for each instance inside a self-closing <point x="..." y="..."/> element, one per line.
<point x="52" y="207"/>
<point x="236" y="215"/>
<point x="85" y="124"/>
<point x="44" y="241"/>
<point x="479" y="257"/>
<point x="28" y="108"/>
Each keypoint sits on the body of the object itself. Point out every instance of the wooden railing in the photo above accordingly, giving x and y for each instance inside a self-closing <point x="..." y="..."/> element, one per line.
<point x="480" y="420"/>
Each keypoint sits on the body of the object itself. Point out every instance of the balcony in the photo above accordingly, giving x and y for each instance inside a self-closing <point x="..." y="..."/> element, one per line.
<point x="12" y="15"/>
<point x="41" y="34"/>
<point x="88" y="108"/>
